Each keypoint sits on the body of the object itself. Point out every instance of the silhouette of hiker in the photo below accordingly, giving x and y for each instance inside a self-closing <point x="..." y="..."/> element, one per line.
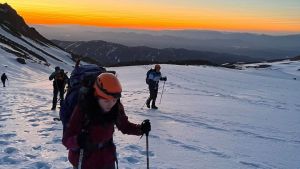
<point x="3" y="79"/>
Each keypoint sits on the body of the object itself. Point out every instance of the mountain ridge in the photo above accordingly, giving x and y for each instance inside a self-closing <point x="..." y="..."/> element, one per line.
<point x="19" y="40"/>
<point x="260" y="46"/>
<point x="112" y="54"/>
<point x="10" y="18"/>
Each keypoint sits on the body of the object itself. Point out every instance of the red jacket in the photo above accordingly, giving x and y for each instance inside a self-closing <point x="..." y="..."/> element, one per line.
<point x="97" y="158"/>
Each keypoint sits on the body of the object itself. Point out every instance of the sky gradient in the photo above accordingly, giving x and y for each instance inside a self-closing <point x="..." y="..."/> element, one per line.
<point x="228" y="15"/>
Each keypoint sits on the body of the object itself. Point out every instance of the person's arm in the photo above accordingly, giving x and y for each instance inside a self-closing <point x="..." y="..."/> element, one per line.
<point x="66" y="80"/>
<point x="125" y="126"/>
<point x="51" y="77"/>
<point x="163" y="78"/>
<point x="73" y="129"/>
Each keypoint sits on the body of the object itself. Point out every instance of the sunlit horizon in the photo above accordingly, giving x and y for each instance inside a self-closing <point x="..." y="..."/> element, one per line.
<point x="273" y="16"/>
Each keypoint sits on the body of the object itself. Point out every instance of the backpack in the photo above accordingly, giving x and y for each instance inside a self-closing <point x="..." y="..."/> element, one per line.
<point x="82" y="77"/>
<point x="59" y="76"/>
<point x="147" y="75"/>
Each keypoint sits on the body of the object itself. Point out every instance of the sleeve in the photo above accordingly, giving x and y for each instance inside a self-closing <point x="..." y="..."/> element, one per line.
<point x="51" y="77"/>
<point x="125" y="126"/>
<point x="73" y="129"/>
<point x="66" y="79"/>
<point x="163" y="78"/>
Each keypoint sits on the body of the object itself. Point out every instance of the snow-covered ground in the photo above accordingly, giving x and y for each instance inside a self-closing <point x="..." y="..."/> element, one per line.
<point x="209" y="118"/>
<point x="62" y="58"/>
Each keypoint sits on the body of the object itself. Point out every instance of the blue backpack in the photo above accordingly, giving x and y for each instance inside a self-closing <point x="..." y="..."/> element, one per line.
<point x="147" y="75"/>
<point x="81" y="77"/>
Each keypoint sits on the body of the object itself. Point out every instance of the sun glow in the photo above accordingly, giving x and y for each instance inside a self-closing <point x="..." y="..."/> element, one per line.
<point x="155" y="15"/>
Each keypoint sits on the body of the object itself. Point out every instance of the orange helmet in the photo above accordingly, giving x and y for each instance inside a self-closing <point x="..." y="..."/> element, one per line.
<point x="107" y="86"/>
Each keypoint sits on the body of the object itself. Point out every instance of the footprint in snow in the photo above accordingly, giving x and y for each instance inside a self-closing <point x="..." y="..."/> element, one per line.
<point x="31" y="156"/>
<point x="34" y="125"/>
<point x="7" y="136"/>
<point x="45" y="134"/>
<point x="4" y="143"/>
<point x="37" y="147"/>
<point x="173" y="141"/>
<point x="9" y="160"/>
<point x="133" y="147"/>
<point x="33" y="120"/>
<point x="11" y="150"/>
<point x="150" y="153"/>
<point x="132" y="160"/>
<point x="39" y="165"/>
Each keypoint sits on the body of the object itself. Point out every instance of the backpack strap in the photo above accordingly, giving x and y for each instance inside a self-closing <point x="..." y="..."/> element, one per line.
<point x="85" y="123"/>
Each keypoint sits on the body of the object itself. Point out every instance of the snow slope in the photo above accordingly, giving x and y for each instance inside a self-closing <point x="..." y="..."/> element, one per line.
<point x="209" y="118"/>
<point x="53" y="55"/>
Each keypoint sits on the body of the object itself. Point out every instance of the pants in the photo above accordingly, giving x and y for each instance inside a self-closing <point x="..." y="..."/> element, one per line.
<point x="153" y="95"/>
<point x="3" y="81"/>
<point x="57" y="89"/>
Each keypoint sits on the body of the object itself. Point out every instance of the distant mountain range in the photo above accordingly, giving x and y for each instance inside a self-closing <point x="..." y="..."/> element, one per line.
<point x="112" y="54"/>
<point x="18" y="39"/>
<point x="297" y="58"/>
<point x="258" y="46"/>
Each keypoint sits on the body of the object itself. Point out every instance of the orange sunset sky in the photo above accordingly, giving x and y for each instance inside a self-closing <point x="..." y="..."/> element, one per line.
<point x="229" y="15"/>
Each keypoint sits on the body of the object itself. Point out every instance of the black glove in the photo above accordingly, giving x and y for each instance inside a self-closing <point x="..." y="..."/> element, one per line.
<point x="82" y="139"/>
<point x="164" y="78"/>
<point x="146" y="126"/>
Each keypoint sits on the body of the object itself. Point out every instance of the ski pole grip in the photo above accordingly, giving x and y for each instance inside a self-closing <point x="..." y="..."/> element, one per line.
<point x="146" y="127"/>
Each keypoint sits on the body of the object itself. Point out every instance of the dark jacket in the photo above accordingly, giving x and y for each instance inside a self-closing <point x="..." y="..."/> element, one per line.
<point x="100" y="130"/>
<point x="4" y="77"/>
<point x="60" y="79"/>
<point x="153" y="79"/>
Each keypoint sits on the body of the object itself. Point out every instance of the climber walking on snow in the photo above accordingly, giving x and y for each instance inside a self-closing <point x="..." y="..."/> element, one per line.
<point x="89" y="134"/>
<point x="60" y="79"/>
<point x="3" y="79"/>
<point x="152" y="79"/>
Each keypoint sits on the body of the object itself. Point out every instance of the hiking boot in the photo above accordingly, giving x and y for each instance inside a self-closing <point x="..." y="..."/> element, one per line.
<point x="154" y="107"/>
<point x="53" y="108"/>
<point x="148" y="103"/>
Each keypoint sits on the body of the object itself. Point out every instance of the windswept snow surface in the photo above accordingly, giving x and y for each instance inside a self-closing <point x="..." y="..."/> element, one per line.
<point x="44" y="51"/>
<point x="209" y="118"/>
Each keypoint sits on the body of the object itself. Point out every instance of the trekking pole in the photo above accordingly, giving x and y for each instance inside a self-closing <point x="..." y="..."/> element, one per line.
<point x="80" y="158"/>
<point x="162" y="91"/>
<point x="147" y="149"/>
<point x="144" y="104"/>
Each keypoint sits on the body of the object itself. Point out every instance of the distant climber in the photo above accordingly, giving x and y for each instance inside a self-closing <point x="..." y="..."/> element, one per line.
<point x="60" y="80"/>
<point x="152" y="79"/>
<point x="3" y="79"/>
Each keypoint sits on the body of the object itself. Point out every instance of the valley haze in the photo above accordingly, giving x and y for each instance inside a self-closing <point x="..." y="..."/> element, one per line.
<point x="257" y="46"/>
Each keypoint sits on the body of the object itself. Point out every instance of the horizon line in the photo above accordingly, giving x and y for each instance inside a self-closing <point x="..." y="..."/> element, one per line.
<point x="260" y="32"/>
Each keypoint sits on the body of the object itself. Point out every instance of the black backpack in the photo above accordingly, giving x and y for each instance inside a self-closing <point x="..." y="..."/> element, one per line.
<point x="81" y="77"/>
<point x="147" y="75"/>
